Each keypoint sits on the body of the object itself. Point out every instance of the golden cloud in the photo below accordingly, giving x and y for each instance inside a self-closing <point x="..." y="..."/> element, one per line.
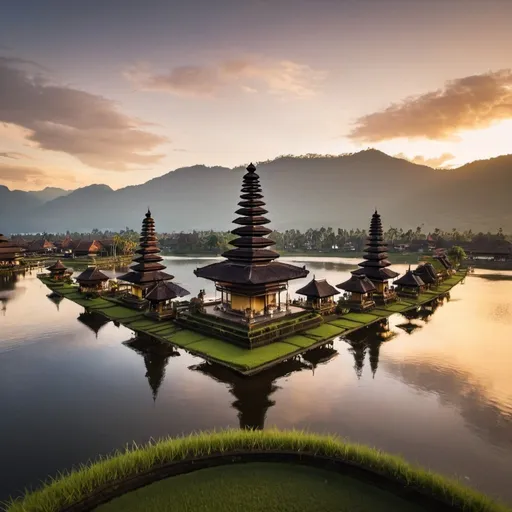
<point x="250" y="75"/>
<point x="467" y="103"/>
<point x="86" y="126"/>
<point x="434" y="162"/>
<point x="29" y="177"/>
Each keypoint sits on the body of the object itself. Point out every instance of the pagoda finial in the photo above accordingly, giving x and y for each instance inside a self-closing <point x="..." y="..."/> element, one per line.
<point x="148" y="214"/>
<point x="251" y="167"/>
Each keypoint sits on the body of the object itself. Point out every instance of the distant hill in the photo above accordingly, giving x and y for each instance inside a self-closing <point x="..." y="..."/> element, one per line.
<point x="300" y="192"/>
<point x="49" y="193"/>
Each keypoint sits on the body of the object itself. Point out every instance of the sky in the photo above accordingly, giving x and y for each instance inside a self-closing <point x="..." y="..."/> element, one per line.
<point x="120" y="91"/>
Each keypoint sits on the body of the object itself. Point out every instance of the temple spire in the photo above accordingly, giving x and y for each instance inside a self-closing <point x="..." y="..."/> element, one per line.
<point x="375" y="253"/>
<point x="147" y="268"/>
<point x="251" y="244"/>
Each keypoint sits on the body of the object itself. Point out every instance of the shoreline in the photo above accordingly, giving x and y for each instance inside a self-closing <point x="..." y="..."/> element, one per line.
<point x="242" y="360"/>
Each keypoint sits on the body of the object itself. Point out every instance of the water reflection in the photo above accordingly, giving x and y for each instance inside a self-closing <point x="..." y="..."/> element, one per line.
<point x="156" y="357"/>
<point x="94" y="321"/>
<point x="252" y="394"/>
<point x="459" y="389"/>
<point x="71" y="388"/>
<point x="320" y="356"/>
<point x="56" y="299"/>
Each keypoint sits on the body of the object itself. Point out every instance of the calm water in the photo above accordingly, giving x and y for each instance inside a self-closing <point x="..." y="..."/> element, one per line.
<point x="72" y="388"/>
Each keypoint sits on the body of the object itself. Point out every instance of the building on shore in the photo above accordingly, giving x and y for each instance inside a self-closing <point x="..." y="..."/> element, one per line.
<point x="251" y="283"/>
<point x="58" y="271"/>
<point x="10" y="253"/>
<point x="41" y="246"/>
<point x="160" y="297"/>
<point x="319" y="296"/>
<point x="410" y="284"/>
<point x="376" y="263"/>
<point x="87" y="248"/>
<point x="147" y="269"/>
<point x="92" y="281"/>
<point x="360" y="292"/>
<point x="428" y="275"/>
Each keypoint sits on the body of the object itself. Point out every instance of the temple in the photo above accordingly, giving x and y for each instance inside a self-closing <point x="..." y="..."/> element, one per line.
<point x="251" y="283"/>
<point x="92" y="281"/>
<point x="160" y="297"/>
<point x="410" y="284"/>
<point x="58" y="272"/>
<point x="428" y="275"/>
<point x="250" y="280"/>
<point x="359" y="296"/>
<point x="10" y="253"/>
<point x="147" y="269"/>
<point x="319" y="296"/>
<point x="376" y="263"/>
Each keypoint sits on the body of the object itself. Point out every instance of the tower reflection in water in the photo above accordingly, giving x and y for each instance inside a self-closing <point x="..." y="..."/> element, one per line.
<point x="253" y="394"/>
<point x="156" y="356"/>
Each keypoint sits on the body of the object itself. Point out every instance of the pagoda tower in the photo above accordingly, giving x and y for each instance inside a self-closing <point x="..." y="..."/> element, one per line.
<point x="376" y="263"/>
<point x="10" y="253"/>
<point x="146" y="269"/>
<point x="249" y="279"/>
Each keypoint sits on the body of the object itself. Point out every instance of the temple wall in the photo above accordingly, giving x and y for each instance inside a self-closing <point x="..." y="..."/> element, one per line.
<point x="137" y="291"/>
<point x="241" y="303"/>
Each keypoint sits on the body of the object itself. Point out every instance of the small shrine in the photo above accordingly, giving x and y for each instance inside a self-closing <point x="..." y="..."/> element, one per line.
<point x="92" y="281"/>
<point x="359" y="296"/>
<point x="319" y="296"/>
<point x="409" y="285"/>
<point x="428" y="275"/>
<point x="58" y="272"/>
<point x="160" y="297"/>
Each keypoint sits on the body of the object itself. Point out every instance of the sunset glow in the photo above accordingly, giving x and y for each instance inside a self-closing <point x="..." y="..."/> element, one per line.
<point x="122" y="98"/>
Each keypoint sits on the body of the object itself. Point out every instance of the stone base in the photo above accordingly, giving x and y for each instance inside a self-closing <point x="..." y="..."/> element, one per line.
<point x="250" y="336"/>
<point x="383" y="300"/>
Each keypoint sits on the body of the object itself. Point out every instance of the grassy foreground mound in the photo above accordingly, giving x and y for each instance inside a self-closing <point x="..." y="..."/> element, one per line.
<point x="254" y="487"/>
<point x="108" y="475"/>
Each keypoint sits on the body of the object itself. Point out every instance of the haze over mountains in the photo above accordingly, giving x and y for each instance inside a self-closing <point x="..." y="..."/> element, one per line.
<point x="338" y="191"/>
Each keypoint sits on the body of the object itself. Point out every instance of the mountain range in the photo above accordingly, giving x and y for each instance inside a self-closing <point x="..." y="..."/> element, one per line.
<point x="300" y="192"/>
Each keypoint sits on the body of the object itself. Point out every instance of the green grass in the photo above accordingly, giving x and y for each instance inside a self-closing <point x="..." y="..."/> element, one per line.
<point x="398" y="307"/>
<point x="300" y="341"/>
<point x="362" y="318"/>
<point x="254" y="487"/>
<point x="162" y="328"/>
<point x="184" y="337"/>
<point x="382" y="313"/>
<point x="143" y="324"/>
<point x="325" y="331"/>
<point x="120" y="313"/>
<point x="69" y="488"/>
<point x="345" y="323"/>
<point x="241" y="357"/>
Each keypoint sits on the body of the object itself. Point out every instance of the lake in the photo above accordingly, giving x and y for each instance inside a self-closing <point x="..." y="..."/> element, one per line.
<point x="439" y="392"/>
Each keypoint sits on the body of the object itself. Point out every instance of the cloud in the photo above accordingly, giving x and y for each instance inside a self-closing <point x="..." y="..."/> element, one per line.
<point x="467" y="103"/>
<point x="434" y="162"/>
<point x="11" y="154"/>
<point x="60" y="118"/>
<point x="250" y="75"/>
<point x="27" y="176"/>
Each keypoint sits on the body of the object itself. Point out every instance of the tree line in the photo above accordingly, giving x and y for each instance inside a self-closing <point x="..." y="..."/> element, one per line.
<point x="323" y="239"/>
